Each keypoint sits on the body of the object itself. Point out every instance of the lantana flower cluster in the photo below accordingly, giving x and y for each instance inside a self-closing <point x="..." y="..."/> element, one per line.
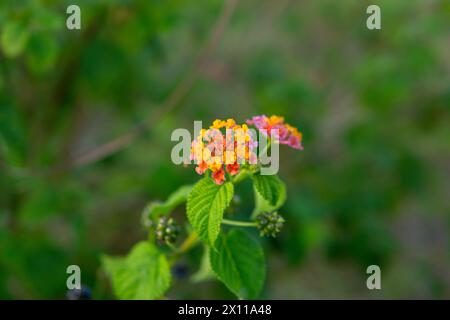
<point x="226" y="145"/>
<point x="283" y="133"/>
<point x="222" y="148"/>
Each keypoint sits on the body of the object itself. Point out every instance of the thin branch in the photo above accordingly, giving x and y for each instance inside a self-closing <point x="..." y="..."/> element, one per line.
<point x="239" y="223"/>
<point x="170" y="103"/>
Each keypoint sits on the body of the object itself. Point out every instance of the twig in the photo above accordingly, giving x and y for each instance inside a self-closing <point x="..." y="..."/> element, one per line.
<point x="239" y="223"/>
<point x="170" y="103"/>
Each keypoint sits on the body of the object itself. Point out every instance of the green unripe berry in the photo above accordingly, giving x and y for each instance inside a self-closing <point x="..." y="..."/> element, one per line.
<point x="269" y="224"/>
<point x="167" y="230"/>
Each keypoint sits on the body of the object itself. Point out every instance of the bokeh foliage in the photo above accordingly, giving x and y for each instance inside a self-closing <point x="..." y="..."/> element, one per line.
<point x="371" y="186"/>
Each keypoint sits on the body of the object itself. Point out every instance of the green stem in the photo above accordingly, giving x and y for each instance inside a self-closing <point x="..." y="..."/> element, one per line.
<point x="187" y="245"/>
<point x="190" y="242"/>
<point x="240" y="176"/>
<point x="239" y="223"/>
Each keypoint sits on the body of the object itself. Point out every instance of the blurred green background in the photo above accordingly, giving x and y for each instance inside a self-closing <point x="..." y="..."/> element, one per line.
<point x="371" y="187"/>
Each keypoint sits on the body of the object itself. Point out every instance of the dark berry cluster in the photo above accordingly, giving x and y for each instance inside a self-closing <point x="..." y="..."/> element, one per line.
<point x="180" y="271"/>
<point x="84" y="293"/>
<point x="167" y="230"/>
<point x="269" y="224"/>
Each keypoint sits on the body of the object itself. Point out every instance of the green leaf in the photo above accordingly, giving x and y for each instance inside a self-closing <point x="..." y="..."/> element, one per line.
<point x="270" y="187"/>
<point x="14" y="38"/>
<point x="205" y="207"/>
<point x="143" y="274"/>
<point x="239" y="263"/>
<point x="157" y="208"/>
<point x="261" y="205"/>
<point x="112" y="265"/>
<point x="270" y="193"/>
